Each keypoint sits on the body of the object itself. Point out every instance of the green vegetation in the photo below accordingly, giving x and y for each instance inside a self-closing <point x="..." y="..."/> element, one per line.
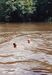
<point x="25" y="10"/>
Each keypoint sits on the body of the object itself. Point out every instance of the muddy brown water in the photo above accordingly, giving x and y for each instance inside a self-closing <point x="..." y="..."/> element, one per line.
<point x="41" y="61"/>
<point x="24" y="27"/>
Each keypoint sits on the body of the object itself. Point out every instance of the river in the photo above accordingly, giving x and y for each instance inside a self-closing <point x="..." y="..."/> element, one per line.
<point x="33" y="52"/>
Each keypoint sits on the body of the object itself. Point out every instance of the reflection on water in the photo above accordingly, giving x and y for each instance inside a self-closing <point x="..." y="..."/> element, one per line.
<point x="34" y="58"/>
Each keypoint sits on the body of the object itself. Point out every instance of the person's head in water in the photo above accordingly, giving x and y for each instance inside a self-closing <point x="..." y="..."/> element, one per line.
<point x="14" y="45"/>
<point x="29" y="40"/>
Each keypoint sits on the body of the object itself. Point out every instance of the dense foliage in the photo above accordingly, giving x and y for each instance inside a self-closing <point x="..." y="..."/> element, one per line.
<point x="49" y="10"/>
<point x="25" y="10"/>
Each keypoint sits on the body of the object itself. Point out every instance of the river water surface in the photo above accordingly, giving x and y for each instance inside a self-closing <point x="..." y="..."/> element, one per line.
<point x="34" y="58"/>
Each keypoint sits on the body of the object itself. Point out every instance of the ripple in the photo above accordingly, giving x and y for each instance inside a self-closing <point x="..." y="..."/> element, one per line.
<point x="27" y="59"/>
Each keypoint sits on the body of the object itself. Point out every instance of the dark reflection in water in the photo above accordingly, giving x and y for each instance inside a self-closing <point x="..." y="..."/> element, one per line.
<point x="34" y="58"/>
<point x="24" y="27"/>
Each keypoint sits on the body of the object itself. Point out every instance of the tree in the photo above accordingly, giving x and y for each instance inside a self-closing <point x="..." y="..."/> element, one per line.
<point x="2" y="10"/>
<point x="25" y="10"/>
<point x="49" y="10"/>
<point x="42" y="10"/>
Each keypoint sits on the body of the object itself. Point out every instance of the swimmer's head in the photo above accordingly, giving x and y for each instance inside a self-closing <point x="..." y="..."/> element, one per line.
<point x="14" y="45"/>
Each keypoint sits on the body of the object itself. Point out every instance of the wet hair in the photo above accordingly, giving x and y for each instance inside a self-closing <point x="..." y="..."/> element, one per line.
<point x="14" y="45"/>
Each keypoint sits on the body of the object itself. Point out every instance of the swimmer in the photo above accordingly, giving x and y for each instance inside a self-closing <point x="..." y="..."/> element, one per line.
<point x="29" y="40"/>
<point x="14" y="45"/>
